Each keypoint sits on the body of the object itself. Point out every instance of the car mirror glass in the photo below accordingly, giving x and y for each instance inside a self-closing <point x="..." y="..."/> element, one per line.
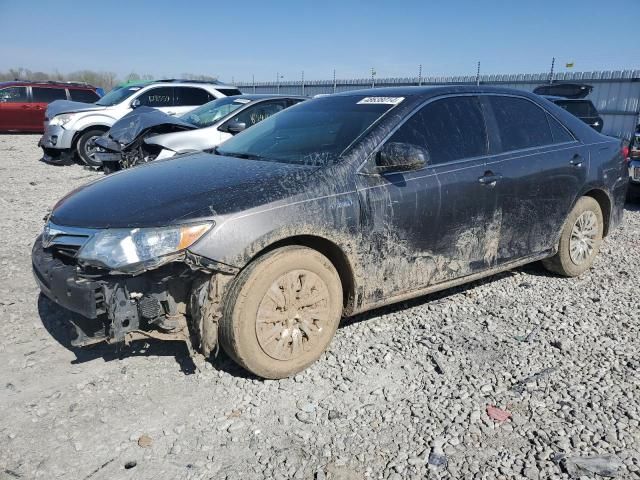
<point x="400" y="156"/>
<point x="135" y="103"/>
<point x="235" y="127"/>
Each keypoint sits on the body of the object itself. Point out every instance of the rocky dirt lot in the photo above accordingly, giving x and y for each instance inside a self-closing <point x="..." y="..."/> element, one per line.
<point x="402" y="392"/>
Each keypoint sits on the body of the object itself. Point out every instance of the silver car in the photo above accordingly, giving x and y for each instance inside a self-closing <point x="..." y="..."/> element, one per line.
<point x="148" y="134"/>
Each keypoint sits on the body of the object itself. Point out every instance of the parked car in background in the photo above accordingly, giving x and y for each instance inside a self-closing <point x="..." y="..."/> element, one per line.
<point x="330" y="208"/>
<point x="572" y="97"/>
<point x="634" y="165"/>
<point x="23" y="104"/>
<point x="72" y="127"/>
<point x="581" y="108"/>
<point x="147" y="134"/>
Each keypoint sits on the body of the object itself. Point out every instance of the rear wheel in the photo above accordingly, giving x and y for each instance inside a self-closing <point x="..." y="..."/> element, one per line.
<point x="281" y="312"/>
<point x="580" y="239"/>
<point x="86" y="148"/>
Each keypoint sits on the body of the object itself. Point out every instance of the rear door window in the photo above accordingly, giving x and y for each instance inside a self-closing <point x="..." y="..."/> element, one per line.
<point x="48" y="94"/>
<point x="191" y="96"/>
<point x="521" y="123"/>
<point x="450" y="129"/>
<point x="157" y="97"/>
<point x="86" y="96"/>
<point x="13" y="95"/>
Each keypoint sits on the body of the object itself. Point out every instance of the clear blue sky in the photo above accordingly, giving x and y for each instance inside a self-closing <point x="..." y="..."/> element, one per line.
<point x="238" y="39"/>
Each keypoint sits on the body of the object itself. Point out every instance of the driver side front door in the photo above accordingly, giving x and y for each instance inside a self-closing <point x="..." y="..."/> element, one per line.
<point x="435" y="224"/>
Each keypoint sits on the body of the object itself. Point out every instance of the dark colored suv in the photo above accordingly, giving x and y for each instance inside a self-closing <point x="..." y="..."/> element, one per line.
<point x="22" y="104"/>
<point x="332" y="207"/>
<point x="581" y="108"/>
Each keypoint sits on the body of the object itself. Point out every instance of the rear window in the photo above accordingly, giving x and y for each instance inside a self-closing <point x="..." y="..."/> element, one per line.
<point x="579" y="108"/>
<point x="13" y="95"/>
<point x="48" y="94"/>
<point x="229" y="92"/>
<point x="86" y="96"/>
<point x="522" y="124"/>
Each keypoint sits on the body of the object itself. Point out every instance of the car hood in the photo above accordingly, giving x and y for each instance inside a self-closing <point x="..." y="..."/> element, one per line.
<point x="180" y="190"/>
<point x="67" y="106"/>
<point x="142" y="120"/>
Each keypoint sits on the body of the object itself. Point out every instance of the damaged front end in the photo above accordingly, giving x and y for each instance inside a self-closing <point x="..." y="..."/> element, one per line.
<point x="125" y="146"/>
<point x="167" y="301"/>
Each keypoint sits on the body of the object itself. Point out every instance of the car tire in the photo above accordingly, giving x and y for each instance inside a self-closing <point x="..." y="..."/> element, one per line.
<point x="83" y="147"/>
<point x="580" y="239"/>
<point x="281" y="312"/>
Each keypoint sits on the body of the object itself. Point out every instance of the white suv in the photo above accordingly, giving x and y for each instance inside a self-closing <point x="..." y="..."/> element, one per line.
<point x="71" y="127"/>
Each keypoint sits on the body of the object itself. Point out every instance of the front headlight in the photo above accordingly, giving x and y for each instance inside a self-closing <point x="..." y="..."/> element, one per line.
<point x="61" y="120"/>
<point x="123" y="248"/>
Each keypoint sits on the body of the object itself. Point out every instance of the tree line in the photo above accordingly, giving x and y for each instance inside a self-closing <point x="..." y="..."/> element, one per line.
<point x="106" y="80"/>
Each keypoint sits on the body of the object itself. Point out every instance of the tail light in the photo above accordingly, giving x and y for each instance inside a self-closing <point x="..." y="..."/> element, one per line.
<point x="625" y="152"/>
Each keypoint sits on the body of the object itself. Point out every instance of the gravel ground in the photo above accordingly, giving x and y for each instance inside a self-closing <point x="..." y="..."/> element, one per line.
<point x="401" y="393"/>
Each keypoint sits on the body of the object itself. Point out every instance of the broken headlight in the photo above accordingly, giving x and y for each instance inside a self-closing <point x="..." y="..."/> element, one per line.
<point x="125" y="249"/>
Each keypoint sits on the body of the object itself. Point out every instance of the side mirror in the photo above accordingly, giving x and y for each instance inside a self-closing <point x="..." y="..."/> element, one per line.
<point x="135" y="103"/>
<point x="235" y="127"/>
<point x="397" y="156"/>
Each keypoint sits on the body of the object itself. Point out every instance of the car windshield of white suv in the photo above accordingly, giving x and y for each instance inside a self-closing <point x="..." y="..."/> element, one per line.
<point x="209" y="113"/>
<point x="116" y="96"/>
<point x="315" y="132"/>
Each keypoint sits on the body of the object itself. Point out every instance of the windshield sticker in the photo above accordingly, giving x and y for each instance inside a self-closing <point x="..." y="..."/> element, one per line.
<point x="241" y="100"/>
<point x="381" y="100"/>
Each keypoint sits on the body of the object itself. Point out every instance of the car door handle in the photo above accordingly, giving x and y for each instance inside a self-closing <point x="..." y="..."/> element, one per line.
<point x="490" y="179"/>
<point x="577" y="160"/>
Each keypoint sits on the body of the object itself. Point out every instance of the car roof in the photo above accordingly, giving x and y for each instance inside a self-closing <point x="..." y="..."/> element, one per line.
<point x="554" y="98"/>
<point x="267" y="96"/>
<point x="46" y="83"/>
<point x="173" y="81"/>
<point x="431" y="91"/>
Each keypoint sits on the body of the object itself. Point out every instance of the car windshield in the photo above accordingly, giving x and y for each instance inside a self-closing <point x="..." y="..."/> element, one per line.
<point x="117" y="95"/>
<point x="315" y="132"/>
<point x="580" y="108"/>
<point x="209" y="113"/>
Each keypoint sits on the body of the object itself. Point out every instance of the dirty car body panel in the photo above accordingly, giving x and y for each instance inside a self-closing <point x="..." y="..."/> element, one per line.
<point x="485" y="200"/>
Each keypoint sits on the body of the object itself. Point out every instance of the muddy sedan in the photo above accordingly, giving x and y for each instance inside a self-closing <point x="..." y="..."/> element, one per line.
<point x="332" y="207"/>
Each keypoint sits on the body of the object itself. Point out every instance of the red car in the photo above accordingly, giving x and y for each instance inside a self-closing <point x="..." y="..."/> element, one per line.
<point x="22" y="104"/>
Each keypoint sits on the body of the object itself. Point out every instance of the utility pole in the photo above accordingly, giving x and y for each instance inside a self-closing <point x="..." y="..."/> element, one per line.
<point x="278" y="82"/>
<point x="373" y="78"/>
<point x="478" y="75"/>
<point x="553" y="62"/>
<point x="420" y="75"/>
<point x="302" y="82"/>
<point x="253" y="80"/>
<point x="334" y="81"/>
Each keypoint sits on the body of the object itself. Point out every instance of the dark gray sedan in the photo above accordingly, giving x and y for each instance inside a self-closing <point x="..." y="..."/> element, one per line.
<point x="332" y="207"/>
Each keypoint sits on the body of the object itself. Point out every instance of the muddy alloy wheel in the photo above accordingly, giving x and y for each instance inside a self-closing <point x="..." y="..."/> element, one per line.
<point x="579" y="241"/>
<point x="281" y="312"/>
<point x="292" y="315"/>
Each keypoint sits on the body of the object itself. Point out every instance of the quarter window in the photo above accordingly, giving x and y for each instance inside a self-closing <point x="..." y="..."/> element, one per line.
<point x="48" y="95"/>
<point x="13" y="95"/>
<point x="559" y="133"/>
<point x="157" y="97"/>
<point x="450" y="129"/>
<point x="86" y="96"/>
<point x="191" y="96"/>
<point x="521" y="123"/>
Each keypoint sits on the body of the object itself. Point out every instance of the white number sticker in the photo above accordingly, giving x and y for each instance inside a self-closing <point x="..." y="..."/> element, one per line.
<point x="381" y="100"/>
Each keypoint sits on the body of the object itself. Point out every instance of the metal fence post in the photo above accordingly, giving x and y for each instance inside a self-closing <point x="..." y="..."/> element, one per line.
<point x="334" y="81"/>
<point x="420" y="75"/>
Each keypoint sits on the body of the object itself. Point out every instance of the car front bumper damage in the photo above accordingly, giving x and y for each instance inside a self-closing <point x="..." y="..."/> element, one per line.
<point x="172" y="302"/>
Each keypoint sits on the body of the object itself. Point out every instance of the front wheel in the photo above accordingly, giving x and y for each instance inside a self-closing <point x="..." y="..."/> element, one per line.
<point x="281" y="312"/>
<point x="580" y="239"/>
<point x="86" y="148"/>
